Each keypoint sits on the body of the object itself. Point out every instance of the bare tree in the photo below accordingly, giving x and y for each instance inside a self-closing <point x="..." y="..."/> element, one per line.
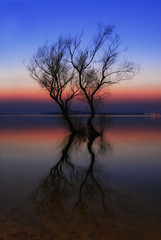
<point x="98" y="65"/>
<point x="51" y="70"/>
<point x="68" y="68"/>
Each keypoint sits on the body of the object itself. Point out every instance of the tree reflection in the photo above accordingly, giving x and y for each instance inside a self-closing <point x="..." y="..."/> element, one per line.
<point x="76" y="195"/>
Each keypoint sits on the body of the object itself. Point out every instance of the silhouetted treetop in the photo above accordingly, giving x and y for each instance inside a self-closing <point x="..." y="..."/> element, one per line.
<point x="51" y="70"/>
<point x="98" y="64"/>
<point x="69" y="67"/>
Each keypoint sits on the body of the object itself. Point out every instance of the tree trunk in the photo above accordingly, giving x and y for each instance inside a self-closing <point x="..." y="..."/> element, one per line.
<point x="67" y="118"/>
<point x="92" y="131"/>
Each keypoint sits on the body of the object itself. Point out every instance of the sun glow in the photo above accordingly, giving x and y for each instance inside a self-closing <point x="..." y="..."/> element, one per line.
<point x="115" y="93"/>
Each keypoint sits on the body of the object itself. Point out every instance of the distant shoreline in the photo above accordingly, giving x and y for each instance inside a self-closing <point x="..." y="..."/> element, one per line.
<point x="80" y="115"/>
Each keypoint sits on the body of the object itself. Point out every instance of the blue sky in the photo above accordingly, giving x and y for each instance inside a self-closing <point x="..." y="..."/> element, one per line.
<point x="26" y="24"/>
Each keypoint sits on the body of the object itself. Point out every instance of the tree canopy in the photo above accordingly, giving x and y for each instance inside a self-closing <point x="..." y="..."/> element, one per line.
<point x="70" y="68"/>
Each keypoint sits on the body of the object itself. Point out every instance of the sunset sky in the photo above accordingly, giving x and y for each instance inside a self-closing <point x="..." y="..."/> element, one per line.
<point x="27" y="24"/>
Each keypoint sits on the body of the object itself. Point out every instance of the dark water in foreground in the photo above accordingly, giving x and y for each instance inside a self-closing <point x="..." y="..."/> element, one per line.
<point x="53" y="186"/>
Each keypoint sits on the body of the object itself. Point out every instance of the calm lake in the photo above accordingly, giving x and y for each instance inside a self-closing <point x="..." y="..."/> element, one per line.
<point x="56" y="186"/>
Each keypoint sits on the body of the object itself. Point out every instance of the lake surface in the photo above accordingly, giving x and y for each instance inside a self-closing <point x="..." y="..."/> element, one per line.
<point x="56" y="186"/>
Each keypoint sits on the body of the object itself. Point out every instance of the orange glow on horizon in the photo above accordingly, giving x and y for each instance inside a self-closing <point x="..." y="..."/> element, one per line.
<point x="24" y="94"/>
<point x="134" y="93"/>
<point x="114" y="93"/>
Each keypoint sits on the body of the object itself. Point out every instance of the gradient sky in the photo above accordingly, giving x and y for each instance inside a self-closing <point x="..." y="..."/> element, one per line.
<point x="27" y="24"/>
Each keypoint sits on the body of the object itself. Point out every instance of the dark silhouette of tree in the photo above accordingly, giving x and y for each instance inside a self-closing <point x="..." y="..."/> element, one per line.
<point x="98" y="65"/>
<point x="50" y="69"/>
<point x="70" y="67"/>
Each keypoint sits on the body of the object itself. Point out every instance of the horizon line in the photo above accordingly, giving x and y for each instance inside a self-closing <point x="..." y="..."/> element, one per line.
<point x="81" y="115"/>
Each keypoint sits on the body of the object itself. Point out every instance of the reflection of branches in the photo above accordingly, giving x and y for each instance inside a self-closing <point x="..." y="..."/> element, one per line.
<point x="50" y="189"/>
<point x="92" y="184"/>
<point x="56" y="172"/>
<point x="76" y="193"/>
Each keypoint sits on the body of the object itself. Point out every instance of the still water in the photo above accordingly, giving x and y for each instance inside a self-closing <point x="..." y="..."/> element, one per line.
<point x="57" y="186"/>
